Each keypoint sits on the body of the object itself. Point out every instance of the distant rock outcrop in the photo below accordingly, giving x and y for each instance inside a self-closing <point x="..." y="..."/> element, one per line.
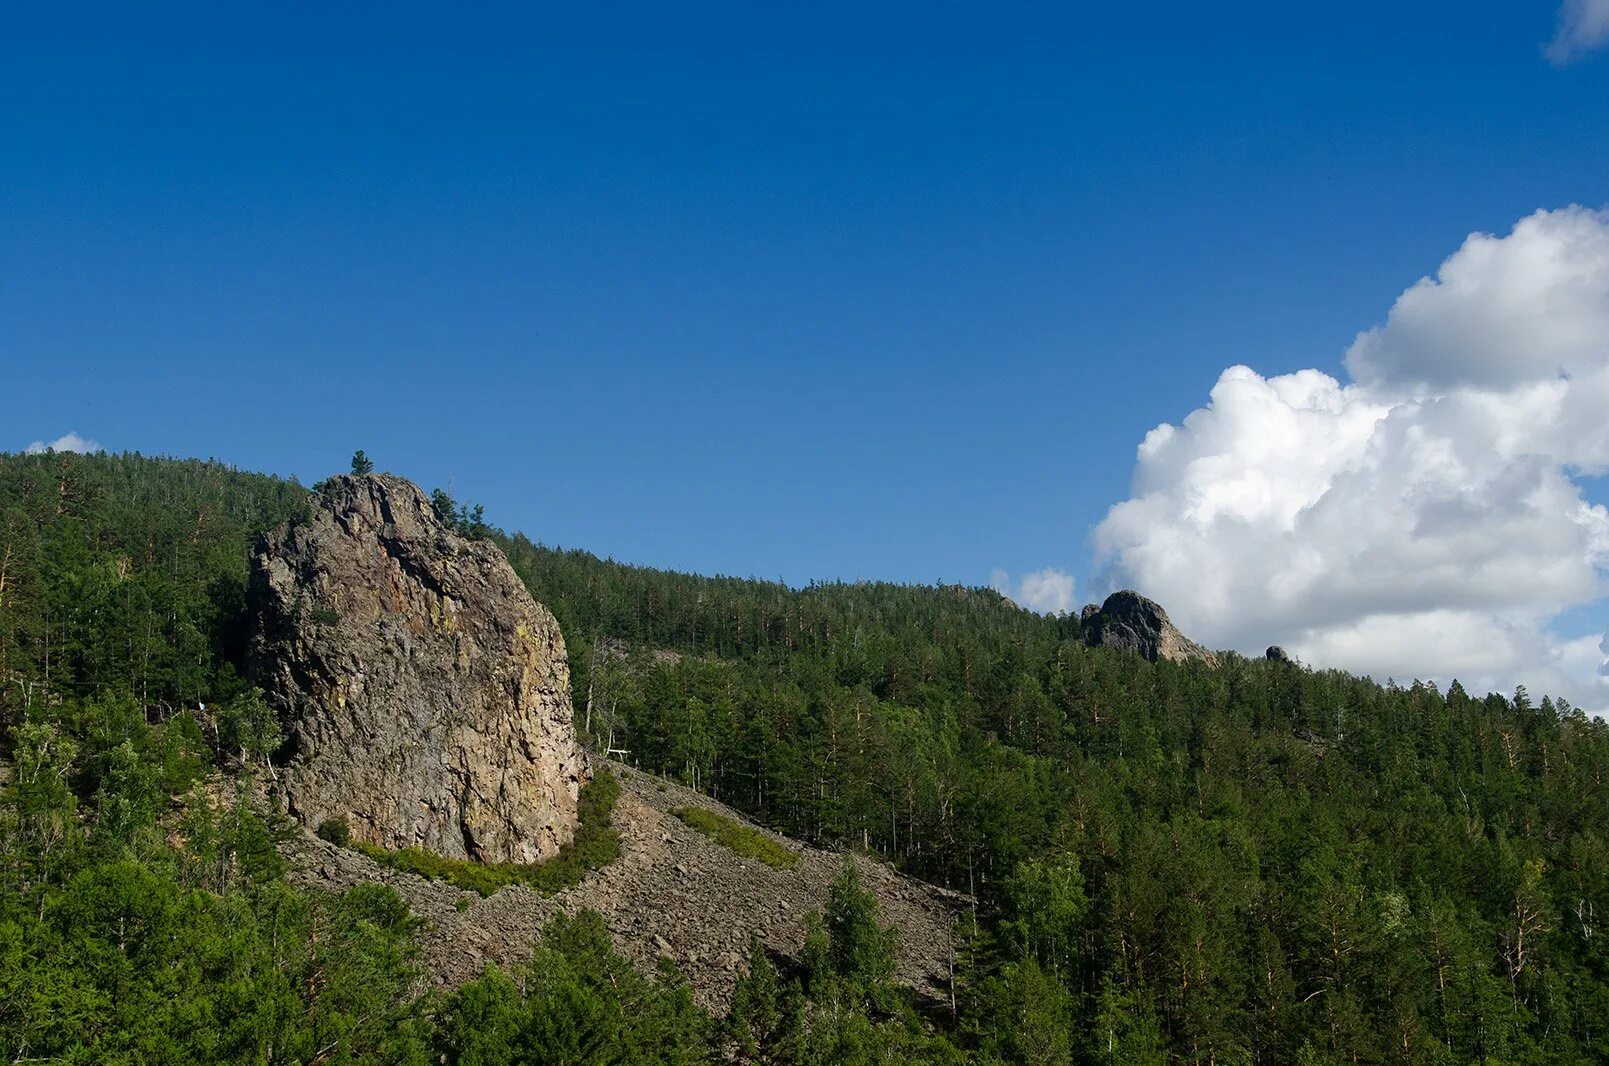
<point x="1277" y="654"/>
<point x="425" y="697"/>
<point x="1130" y="622"/>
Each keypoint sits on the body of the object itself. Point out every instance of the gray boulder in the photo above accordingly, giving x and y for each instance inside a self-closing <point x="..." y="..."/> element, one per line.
<point x="424" y="696"/>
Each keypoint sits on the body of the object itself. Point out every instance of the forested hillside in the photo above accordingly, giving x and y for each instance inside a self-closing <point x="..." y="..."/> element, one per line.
<point x="1253" y="863"/>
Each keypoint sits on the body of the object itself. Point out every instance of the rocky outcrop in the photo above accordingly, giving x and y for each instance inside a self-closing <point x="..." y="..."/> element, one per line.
<point x="1130" y="622"/>
<point x="424" y="696"/>
<point x="1277" y="654"/>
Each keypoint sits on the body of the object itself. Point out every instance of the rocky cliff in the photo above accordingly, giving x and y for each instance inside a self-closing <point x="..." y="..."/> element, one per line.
<point x="1130" y="622"/>
<point x="425" y="697"/>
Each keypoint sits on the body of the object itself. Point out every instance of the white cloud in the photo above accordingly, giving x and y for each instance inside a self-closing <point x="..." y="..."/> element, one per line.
<point x="1421" y="520"/>
<point x="1583" y="26"/>
<point x="1503" y="311"/>
<point x="68" y="442"/>
<point x="1048" y="591"/>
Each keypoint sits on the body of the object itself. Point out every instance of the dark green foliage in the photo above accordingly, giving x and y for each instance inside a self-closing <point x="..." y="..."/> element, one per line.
<point x="766" y="1022"/>
<point x="845" y="1006"/>
<point x="1049" y="913"/>
<point x="335" y="831"/>
<point x="124" y="574"/>
<point x="1026" y="1015"/>
<point x="1255" y="862"/>
<point x="577" y="1001"/>
<point x="361" y="464"/>
<point x="860" y="949"/>
<point x="596" y="844"/>
<point x="247" y="727"/>
<point x="738" y="838"/>
<point x="41" y="820"/>
<point x="128" y="952"/>
<point x="469" y="521"/>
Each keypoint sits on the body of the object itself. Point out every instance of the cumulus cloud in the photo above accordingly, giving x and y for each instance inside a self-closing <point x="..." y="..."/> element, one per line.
<point x="1422" y="519"/>
<point x="1048" y="591"/>
<point x="1583" y="26"/>
<point x="68" y="442"/>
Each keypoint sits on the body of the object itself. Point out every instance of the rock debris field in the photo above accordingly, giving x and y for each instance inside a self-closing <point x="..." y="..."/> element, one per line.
<point x="672" y="892"/>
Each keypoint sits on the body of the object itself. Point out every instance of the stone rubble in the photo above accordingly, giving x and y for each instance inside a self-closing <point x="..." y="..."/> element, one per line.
<point x="673" y="892"/>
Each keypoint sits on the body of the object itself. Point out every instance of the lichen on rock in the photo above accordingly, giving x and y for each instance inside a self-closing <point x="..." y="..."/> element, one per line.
<point x="424" y="695"/>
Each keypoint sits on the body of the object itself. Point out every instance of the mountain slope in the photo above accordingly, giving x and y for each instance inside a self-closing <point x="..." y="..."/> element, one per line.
<point x="1172" y="861"/>
<point x="673" y="892"/>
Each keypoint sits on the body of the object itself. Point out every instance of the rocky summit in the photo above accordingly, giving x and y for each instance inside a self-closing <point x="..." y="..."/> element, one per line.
<point x="1131" y="622"/>
<point x="424" y="695"/>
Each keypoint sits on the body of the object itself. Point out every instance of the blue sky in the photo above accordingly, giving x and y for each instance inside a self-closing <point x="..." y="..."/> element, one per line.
<point x="833" y="293"/>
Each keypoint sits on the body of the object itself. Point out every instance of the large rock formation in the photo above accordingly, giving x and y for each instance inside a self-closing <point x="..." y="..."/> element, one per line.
<point x="424" y="695"/>
<point x="1130" y="622"/>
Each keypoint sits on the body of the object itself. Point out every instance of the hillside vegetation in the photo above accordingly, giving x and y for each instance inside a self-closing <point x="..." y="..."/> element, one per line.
<point x="1251" y="863"/>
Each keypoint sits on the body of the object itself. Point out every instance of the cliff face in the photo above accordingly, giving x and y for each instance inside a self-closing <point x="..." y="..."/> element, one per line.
<point x="1131" y="622"/>
<point x="425" y="697"/>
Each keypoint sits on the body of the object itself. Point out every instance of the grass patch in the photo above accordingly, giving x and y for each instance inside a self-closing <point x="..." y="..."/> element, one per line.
<point x="596" y="844"/>
<point x="737" y="837"/>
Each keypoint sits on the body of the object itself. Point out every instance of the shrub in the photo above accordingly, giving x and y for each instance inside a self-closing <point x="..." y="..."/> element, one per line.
<point x="738" y="838"/>
<point x="247" y="726"/>
<point x="596" y="844"/>
<point x="335" y="831"/>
